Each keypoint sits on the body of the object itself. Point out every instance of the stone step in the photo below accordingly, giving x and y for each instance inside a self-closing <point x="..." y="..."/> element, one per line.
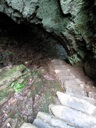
<point x="62" y="73"/>
<point x="90" y="100"/>
<point x="61" y="69"/>
<point x="56" y="62"/>
<point x="68" y="80"/>
<point x="42" y="124"/>
<point x="76" y="118"/>
<point x="65" y="77"/>
<point x="77" y="103"/>
<point x="74" y="86"/>
<point x="44" y="120"/>
<point x="28" y="125"/>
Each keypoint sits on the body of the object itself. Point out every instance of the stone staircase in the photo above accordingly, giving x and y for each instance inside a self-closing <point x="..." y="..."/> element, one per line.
<point x="75" y="109"/>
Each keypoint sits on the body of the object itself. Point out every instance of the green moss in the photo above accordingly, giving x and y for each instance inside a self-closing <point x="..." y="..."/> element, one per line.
<point x="5" y="93"/>
<point x="37" y="87"/>
<point x="74" y="59"/>
<point x="16" y="68"/>
<point x="11" y="75"/>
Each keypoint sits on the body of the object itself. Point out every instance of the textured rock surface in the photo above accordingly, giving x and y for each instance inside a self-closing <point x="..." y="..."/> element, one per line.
<point x="71" y="116"/>
<point x="71" y="21"/>
<point x="51" y="120"/>
<point x="77" y="103"/>
<point x="27" y="125"/>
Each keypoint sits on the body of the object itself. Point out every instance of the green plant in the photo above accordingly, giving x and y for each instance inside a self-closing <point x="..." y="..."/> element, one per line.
<point x="18" y="86"/>
<point x="34" y="73"/>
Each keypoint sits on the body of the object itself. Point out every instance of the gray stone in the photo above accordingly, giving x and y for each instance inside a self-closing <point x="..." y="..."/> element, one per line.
<point x="50" y="119"/>
<point x="73" y="117"/>
<point x="89" y="99"/>
<point x="42" y="124"/>
<point x="77" y="103"/>
<point x="27" y="125"/>
<point x="8" y="77"/>
<point x="69" y="5"/>
<point x="73" y="86"/>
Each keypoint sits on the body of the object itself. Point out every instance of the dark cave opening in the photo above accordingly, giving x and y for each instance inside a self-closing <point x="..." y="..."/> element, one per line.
<point x="27" y="43"/>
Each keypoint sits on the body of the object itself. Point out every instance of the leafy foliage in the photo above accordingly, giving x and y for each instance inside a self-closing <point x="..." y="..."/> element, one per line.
<point x="18" y="86"/>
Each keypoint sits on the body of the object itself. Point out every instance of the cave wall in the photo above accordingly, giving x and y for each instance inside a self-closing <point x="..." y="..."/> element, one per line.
<point x="72" y="22"/>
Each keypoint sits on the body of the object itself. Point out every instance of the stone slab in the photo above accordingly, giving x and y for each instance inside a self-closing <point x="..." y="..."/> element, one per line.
<point x="50" y="119"/>
<point x="73" y="117"/>
<point x="27" y="125"/>
<point x="77" y="103"/>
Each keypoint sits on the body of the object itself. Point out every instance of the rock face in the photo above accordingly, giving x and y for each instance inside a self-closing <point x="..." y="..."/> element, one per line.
<point x="71" y="22"/>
